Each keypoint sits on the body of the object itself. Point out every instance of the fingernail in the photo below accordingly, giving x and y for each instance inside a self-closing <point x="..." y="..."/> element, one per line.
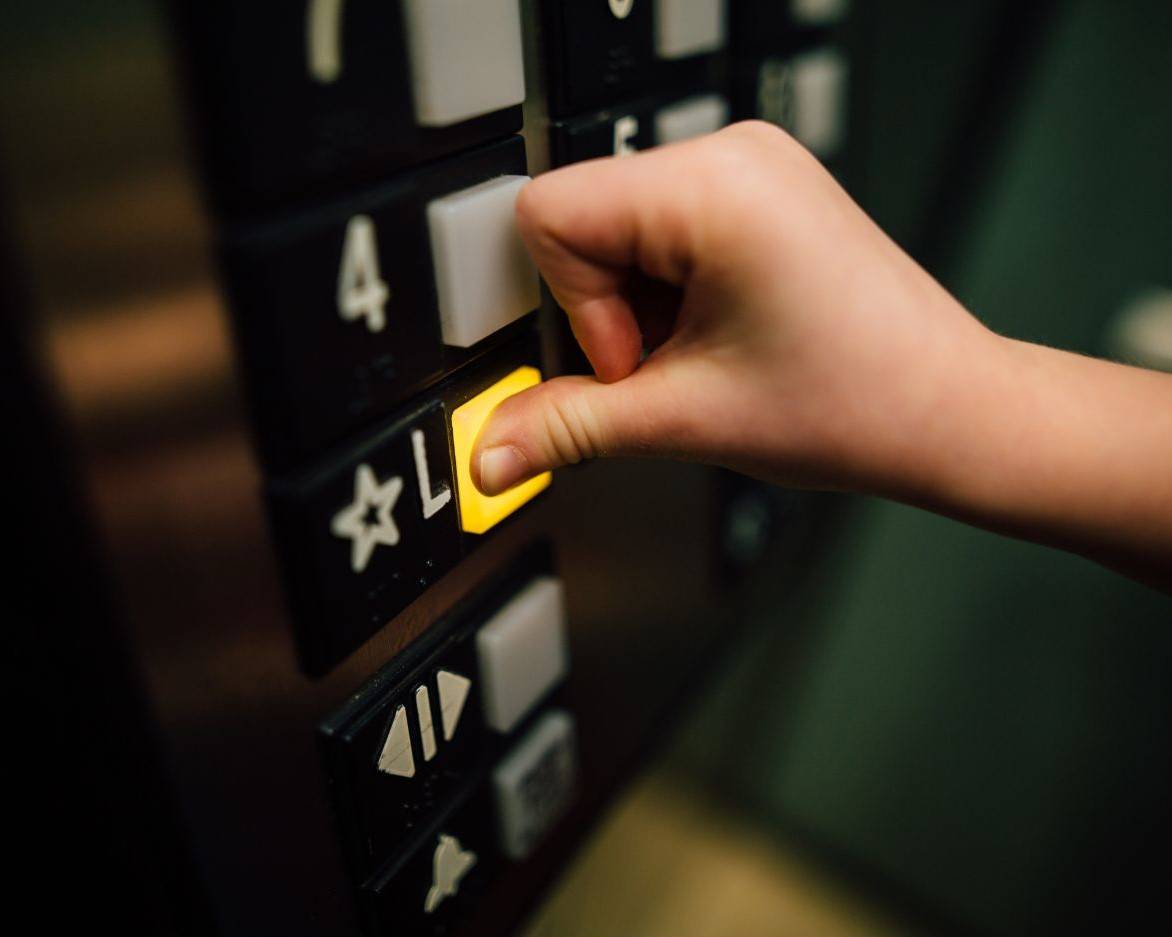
<point x="501" y="467"/>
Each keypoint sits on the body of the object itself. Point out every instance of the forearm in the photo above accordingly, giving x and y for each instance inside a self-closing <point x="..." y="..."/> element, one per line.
<point x="1059" y="448"/>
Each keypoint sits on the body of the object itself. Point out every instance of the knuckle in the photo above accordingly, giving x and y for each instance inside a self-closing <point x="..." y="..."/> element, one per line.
<point x="571" y="429"/>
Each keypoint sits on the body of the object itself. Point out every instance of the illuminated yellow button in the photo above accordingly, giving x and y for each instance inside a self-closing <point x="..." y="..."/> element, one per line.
<point x="478" y="512"/>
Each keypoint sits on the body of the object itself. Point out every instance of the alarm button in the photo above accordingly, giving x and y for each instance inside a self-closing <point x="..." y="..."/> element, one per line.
<point x="692" y="117"/>
<point x="466" y="58"/>
<point x="688" y="27"/>
<point x="484" y="276"/>
<point x="534" y="783"/>
<point x="522" y="652"/>
<point x="478" y="512"/>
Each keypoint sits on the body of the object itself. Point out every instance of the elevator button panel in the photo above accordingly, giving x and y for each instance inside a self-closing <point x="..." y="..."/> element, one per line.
<point x="533" y="785"/>
<point x="418" y="780"/>
<point x="336" y="306"/>
<point x="361" y="534"/>
<point x="485" y="278"/>
<point x="688" y="27"/>
<point x="310" y="98"/>
<point x="521" y="652"/>
<point x="479" y="512"/>
<point x="465" y="58"/>
<point x="401" y="752"/>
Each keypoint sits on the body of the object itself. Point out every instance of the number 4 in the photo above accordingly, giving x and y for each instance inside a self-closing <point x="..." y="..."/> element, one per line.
<point x="362" y="294"/>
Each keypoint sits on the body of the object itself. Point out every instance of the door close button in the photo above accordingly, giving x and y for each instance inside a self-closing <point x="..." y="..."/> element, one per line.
<point x="465" y="58"/>
<point x="478" y="512"/>
<point x="484" y="276"/>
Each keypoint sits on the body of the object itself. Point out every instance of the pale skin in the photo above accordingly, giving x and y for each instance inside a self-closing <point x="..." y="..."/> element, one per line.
<point x="792" y="340"/>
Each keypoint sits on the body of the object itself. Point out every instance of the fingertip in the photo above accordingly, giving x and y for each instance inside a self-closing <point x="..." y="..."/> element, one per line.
<point x="609" y="336"/>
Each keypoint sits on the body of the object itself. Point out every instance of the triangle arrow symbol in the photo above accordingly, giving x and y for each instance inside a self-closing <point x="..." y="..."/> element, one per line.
<point x="396" y="757"/>
<point x="453" y="693"/>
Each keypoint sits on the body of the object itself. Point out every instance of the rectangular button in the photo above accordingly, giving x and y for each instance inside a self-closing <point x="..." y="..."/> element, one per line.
<point x="534" y="783"/>
<point x="336" y="308"/>
<point x="819" y="81"/>
<point x="485" y="278"/>
<point x="478" y="512"/>
<point x="522" y="652"/>
<point x="692" y="117"/>
<point x="465" y="58"/>
<point x="685" y="28"/>
<point x="308" y="99"/>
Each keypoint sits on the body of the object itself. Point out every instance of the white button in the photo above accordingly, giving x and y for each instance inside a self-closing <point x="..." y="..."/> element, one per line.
<point x="465" y="58"/>
<point x="483" y="275"/>
<point x="692" y="117"/>
<point x="817" y="12"/>
<point x="534" y="782"/>
<point x="819" y="82"/>
<point x="522" y="652"/>
<point x="688" y="27"/>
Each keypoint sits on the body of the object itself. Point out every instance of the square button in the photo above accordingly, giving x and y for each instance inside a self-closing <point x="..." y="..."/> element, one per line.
<point x="522" y="653"/>
<point x="819" y="96"/>
<point x="692" y="117"/>
<point x="466" y="58"/>
<point x="688" y="27"/>
<point x="484" y="276"/>
<point x="479" y="513"/>
<point x="533" y="784"/>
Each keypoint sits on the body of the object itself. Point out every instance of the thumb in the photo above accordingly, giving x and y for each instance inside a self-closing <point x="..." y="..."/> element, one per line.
<point x="568" y="419"/>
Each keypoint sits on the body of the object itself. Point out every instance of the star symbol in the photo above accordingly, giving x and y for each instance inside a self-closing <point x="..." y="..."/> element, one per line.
<point x="368" y="521"/>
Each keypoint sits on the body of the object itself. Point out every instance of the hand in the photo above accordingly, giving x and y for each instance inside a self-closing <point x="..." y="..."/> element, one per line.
<point x="789" y="337"/>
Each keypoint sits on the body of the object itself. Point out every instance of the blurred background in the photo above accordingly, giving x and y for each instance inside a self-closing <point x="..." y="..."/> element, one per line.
<point x="915" y="727"/>
<point x="935" y="729"/>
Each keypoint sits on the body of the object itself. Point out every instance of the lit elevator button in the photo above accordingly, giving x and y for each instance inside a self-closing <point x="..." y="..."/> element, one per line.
<point x="465" y="58"/>
<point x="692" y="117"/>
<point x="483" y="275"/>
<point x="688" y="27"/>
<point x="521" y="652"/>
<point x="478" y="512"/>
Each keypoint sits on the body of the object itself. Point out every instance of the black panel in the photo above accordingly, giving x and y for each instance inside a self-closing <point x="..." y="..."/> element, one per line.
<point x="314" y="376"/>
<point x="272" y="133"/>
<point x="339" y="597"/>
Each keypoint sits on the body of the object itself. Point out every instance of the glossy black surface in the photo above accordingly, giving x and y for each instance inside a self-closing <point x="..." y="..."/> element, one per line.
<point x="273" y="133"/>
<point x="313" y="376"/>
